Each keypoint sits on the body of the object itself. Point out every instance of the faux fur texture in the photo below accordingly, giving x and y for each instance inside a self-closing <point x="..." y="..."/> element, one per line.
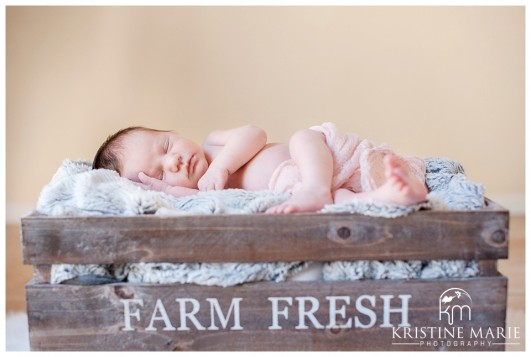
<point x="77" y="190"/>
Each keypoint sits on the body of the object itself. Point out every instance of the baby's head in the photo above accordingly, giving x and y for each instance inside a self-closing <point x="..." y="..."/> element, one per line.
<point x="110" y="152"/>
<point x="163" y="155"/>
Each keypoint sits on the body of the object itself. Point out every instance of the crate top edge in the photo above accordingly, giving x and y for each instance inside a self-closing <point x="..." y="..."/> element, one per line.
<point x="286" y="283"/>
<point x="491" y="207"/>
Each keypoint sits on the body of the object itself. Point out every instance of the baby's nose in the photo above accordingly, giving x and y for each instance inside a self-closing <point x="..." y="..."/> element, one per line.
<point x="172" y="163"/>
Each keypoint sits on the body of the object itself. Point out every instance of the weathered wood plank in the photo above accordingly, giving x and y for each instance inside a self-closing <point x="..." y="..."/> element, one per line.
<point x="42" y="273"/>
<point x="127" y="317"/>
<point x="223" y="238"/>
<point x="488" y="267"/>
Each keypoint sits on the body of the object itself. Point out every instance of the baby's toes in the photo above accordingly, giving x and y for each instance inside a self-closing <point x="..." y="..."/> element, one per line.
<point x="270" y="210"/>
<point x="289" y="209"/>
<point x="407" y="190"/>
<point x="274" y="209"/>
<point x="394" y="180"/>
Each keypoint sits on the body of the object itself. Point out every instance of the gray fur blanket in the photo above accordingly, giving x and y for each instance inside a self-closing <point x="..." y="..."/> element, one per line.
<point x="77" y="190"/>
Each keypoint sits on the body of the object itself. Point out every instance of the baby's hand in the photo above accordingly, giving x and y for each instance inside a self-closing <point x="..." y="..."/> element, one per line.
<point x="214" y="179"/>
<point x="151" y="183"/>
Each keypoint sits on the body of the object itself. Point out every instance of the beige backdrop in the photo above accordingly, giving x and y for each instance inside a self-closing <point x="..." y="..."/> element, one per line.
<point x="432" y="81"/>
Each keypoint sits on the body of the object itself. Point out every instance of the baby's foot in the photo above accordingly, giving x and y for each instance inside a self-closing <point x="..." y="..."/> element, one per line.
<point x="400" y="188"/>
<point x="304" y="200"/>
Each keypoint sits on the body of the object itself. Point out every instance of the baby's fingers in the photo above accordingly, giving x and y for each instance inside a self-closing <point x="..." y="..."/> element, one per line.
<point x="213" y="186"/>
<point x="206" y="186"/>
<point x="145" y="179"/>
<point x="218" y="185"/>
<point x="151" y="183"/>
<point x="139" y="184"/>
<point x="148" y="180"/>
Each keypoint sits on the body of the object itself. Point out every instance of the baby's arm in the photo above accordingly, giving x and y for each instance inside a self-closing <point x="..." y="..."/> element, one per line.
<point x="227" y="151"/>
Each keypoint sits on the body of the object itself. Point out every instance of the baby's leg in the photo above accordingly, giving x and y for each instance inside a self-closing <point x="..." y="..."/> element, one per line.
<point x="399" y="188"/>
<point x="313" y="158"/>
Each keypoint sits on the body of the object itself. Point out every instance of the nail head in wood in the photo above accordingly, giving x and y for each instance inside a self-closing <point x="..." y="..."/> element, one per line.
<point x="498" y="237"/>
<point x="343" y="232"/>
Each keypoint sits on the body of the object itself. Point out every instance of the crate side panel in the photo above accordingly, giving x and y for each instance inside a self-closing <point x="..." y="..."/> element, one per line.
<point x="264" y="316"/>
<point x="265" y="238"/>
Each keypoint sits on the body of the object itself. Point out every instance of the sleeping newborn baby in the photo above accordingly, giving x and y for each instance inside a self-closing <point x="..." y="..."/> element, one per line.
<point x="318" y="166"/>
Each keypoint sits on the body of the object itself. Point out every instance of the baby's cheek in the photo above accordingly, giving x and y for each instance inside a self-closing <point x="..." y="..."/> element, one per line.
<point x="201" y="171"/>
<point x="172" y="180"/>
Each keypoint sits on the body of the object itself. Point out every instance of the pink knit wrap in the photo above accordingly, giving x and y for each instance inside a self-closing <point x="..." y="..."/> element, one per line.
<point x="358" y="163"/>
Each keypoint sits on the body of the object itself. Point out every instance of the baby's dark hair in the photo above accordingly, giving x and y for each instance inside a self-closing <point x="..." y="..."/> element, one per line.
<point x="108" y="155"/>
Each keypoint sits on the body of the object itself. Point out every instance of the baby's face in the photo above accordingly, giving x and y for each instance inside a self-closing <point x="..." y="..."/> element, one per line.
<point x="166" y="156"/>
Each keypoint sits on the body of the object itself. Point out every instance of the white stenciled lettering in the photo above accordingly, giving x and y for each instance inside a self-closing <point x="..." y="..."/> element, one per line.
<point x="387" y="310"/>
<point x="159" y="314"/>
<point x="275" y="311"/>
<point x="189" y="315"/>
<point x="334" y="312"/>
<point x="128" y="314"/>
<point x="214" y="306"/>
<point x="310" y="312"/>
<point x="365" y="311"/>
<point x="303" y="313"/>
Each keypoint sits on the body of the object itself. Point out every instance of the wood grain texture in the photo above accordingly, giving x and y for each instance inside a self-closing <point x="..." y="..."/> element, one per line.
<point x="479" y="234"/>
<point x="92" y="317"/>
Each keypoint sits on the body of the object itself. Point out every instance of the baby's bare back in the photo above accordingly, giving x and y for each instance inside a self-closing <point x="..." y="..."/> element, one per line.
<point x="255" y="175"/>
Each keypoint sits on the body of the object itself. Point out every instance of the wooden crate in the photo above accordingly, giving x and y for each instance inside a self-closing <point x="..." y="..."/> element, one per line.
<point x="313" y="315"/>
